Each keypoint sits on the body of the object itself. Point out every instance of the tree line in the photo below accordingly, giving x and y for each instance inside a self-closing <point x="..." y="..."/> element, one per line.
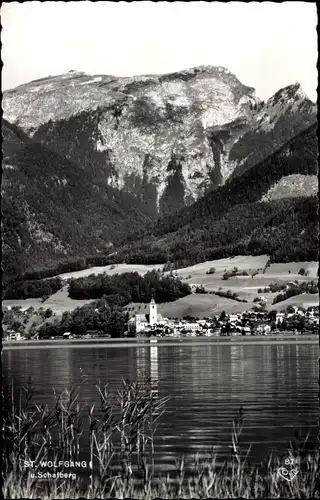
<point x="121" y="289"/>
<point x="305" y="287"/>
<point x="33" y="288"/>
<point x="285" y="229"/>
<point x="96" y="318"/>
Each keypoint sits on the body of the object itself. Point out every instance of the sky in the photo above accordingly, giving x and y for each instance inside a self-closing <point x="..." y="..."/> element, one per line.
<point x="266" y="45"/>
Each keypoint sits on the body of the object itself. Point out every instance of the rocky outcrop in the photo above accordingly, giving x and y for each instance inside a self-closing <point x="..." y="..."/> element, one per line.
<point x="281" y="118"/>
<point x="293" y="186"/>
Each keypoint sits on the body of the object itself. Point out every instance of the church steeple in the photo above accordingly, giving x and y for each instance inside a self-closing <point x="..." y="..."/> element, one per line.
<point x="153" y="316"/>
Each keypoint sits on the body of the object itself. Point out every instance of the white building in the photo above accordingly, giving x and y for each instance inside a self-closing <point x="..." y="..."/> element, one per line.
<point x="246" y="330"/>
<point x="190" y="326"/>
<point x="264" y="329"/>
<point x="67" y="335"/>
<point x="142" y="322"/>
<point x="14" y="335"/>
<point x="153" y="317"/>
<point x="233" y="318"/>
<point x="279" y="318"/>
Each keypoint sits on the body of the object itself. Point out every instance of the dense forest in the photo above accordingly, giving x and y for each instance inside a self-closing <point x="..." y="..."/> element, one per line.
<point x="53" y="208"/>
<point x="121" y="289"/>
<point x="256" y="145"/>
<point x="65" y="265"/>
<point x="97" y="318"/>
<point x="33" y="288"/>
<point x="284" y="229"/>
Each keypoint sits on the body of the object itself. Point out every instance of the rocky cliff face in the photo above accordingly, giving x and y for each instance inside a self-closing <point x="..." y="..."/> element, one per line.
<point x="165" y="139"/>
<point x="270" y="209"/>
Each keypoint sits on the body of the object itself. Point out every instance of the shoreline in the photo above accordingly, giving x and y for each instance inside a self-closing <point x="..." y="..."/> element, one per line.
<point x="160" y="341"/>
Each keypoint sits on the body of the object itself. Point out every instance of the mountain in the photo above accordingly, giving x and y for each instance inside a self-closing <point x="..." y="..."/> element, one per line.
<point x="92" y="161"/>
<point x="264" y="210"/>
<point x="281" y="118"/>
<point x="52" y="208"/>
<point x="165" y="139"/>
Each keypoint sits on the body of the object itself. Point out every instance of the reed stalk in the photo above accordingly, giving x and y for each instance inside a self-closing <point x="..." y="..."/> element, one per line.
<point x="121" y="443"/>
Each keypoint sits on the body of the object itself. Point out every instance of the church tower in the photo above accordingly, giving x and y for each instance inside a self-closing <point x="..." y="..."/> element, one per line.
<point x="153" y="315"/>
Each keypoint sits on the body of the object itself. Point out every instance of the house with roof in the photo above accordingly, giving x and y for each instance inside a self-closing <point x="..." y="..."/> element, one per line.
<point x="246" y="330"/>
<point x="13" y="335"/>
<point x="263" y="329"/>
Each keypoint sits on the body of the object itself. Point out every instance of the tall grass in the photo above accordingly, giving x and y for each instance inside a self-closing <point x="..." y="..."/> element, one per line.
<point x="121" y="444"/>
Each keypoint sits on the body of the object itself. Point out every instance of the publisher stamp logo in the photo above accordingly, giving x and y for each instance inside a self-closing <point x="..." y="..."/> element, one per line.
<point x="289" y="472"/>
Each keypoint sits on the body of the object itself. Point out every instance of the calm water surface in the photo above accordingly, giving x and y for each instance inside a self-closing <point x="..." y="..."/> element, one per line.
<point x="275" y="384"/>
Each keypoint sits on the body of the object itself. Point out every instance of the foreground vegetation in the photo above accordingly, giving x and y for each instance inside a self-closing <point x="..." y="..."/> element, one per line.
<point x="121" y="452"/>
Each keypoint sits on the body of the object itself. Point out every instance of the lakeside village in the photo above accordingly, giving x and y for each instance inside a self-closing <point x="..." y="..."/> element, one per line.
<point x="293" y="321"/>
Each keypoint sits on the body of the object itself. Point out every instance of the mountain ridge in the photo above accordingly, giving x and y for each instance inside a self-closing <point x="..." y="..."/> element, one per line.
<point x="130" y="129"/>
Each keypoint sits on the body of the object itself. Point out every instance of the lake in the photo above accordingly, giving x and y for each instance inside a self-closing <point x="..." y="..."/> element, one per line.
<point x="275" y="383"/>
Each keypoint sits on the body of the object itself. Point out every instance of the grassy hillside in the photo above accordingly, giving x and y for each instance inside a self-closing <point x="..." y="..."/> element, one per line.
<point x="304" y="300"/>
<point x="110" y="270"/>
<point x="246" y="287"/>
<point x="204" y="305"/>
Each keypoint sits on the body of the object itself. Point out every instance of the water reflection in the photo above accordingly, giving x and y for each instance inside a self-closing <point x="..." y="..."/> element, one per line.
<point x="275" y="384"/>
<point x="142" y="363"/>
<point x="154" y="375"/>
<point x="147" y="365"/>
